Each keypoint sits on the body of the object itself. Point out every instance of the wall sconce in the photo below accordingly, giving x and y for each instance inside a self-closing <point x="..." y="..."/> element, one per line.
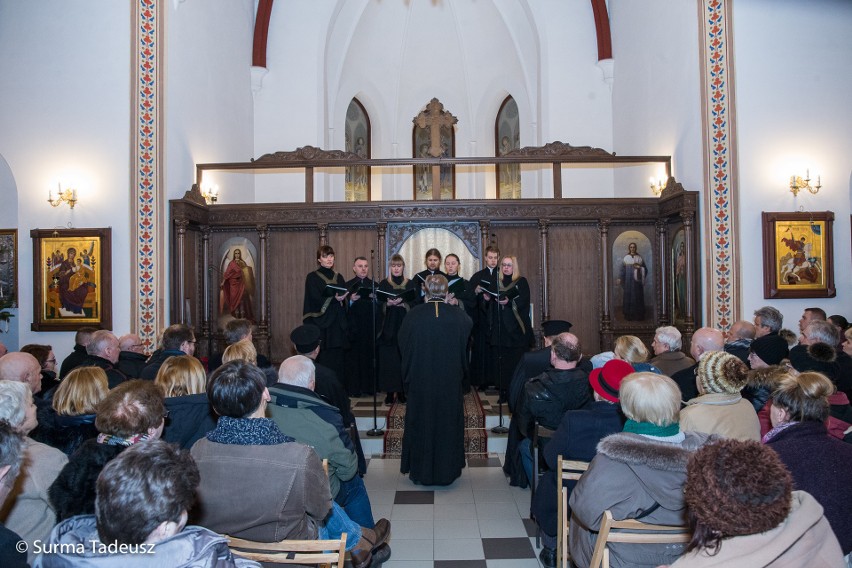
<point x="797" y="184"/>
<point x="56" y="198"/>
<point x="657" y="186"/>
<point x="210" y="193"/>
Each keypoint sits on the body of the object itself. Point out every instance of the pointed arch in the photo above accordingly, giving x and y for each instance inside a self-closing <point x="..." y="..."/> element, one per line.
<point x="358" y="134"/>
<point x="507" y="137"/>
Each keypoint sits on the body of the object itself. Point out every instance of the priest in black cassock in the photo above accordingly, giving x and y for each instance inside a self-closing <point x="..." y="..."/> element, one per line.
<point x="433" y="342"/>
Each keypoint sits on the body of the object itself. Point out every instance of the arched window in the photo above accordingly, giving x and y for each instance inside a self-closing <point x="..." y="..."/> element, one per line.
<point x="434" y="117"/>
<point x="507" y="138"/>
<point x="357" y="141"/>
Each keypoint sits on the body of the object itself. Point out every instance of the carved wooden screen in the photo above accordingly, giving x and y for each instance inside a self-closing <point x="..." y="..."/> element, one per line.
<point x="357" y="142"/>
<point x="507" y="138"/>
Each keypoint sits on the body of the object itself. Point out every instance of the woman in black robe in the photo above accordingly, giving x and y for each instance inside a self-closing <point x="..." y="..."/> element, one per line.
<point x="393" y="312"/>
<point x="324" y="308"/>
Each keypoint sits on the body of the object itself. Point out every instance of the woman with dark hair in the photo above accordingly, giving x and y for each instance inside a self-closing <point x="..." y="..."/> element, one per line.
<point x="818" y="463"/>
<point x="131" y="413"/>
<point x="325" y="294"/>
<point x="47" y="359"/>
<point x="511" y="328"/>
<point x="742" y="511"/>
<point x="247" y="450"/>
<point x="394" y="309"/>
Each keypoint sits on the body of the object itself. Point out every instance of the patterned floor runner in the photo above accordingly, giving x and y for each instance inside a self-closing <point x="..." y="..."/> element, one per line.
<point x="475" y="435"/>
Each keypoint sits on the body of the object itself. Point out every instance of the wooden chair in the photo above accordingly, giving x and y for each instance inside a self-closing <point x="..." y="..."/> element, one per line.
<point x="326" y="553"/>
<point x="568" y="470"/>
<point x="539" y="433"/>
<point x="633" y="532"/>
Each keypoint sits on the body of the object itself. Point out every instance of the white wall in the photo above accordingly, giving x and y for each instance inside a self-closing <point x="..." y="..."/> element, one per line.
<point x="793" y="112"/>
<point x="64" y="114"/>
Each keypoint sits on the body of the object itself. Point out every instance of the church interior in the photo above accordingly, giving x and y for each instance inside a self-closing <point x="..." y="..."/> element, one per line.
<point x="191" y="128"/>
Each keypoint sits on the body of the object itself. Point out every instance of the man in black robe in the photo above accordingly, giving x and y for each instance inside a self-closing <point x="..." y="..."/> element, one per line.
<point x="433" y="342"/>
<point x="482" y="326"/>
<point x="360" y="378"/>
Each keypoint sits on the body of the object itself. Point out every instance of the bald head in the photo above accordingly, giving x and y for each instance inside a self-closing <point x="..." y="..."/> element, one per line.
<point x="22" y="368"/>
<point x="742" y="330"/>
<point x="706" y="340"/>
<point x="565" y="351"/>
<point x="131" y="342"/>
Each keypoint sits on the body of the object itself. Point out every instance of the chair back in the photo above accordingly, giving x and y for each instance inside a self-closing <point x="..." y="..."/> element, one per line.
<point x="568" y="470"/>
<point x="327" y="553"/>
<point x="540" y="432"/>
<point x="634" y="532"/>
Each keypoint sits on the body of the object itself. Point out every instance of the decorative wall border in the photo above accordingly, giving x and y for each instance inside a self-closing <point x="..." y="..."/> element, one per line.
<point x="720" y="196"/>
<point x="147" y="313"/>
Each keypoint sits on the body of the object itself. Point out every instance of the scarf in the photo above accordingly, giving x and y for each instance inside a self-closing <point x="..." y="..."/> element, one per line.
<point x="247" y="432"/>
<point x="648" y="429"/>
<point x="777" y="430"/>
<point x="110" y="440"/>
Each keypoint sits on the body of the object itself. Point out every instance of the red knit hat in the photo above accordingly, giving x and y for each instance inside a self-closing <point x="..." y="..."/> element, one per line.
<point x="606" y="380"/>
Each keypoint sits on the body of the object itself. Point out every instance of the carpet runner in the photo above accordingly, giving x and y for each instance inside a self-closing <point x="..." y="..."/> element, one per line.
<point x="475" y="435"/>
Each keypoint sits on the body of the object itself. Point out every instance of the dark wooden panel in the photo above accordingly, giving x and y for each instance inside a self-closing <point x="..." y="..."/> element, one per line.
<point x="350" y="242"/>
<point x="292" y="254"/>
<point x="575" y="281"/>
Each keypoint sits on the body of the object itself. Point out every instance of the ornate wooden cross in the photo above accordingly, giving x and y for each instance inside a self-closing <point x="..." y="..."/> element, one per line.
<point x="433" y="118"/>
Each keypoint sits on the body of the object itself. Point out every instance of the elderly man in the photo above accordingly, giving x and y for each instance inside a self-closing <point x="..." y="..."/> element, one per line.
<point x="704" y="340"/>
<point x="433" y="343"/>
<point x="103" y="350"/>
<point x="178" y="339"/>
<point x="132" y="358"/>
<point x="301" y="414"/>
<point x="81" y="340"/>
<point x="668" y="356"/>
<point x="143" y="498"/>
<point x="835" y="364"/>
<point x="739" y="340"/>
<point x="548" y="396"/>
<point x="767" y="320"/>
<point x="22" y="368"/>
<point x="11" y="456"/>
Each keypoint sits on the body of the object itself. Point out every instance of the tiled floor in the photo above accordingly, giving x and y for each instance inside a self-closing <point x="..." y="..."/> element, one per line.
<point x="477" y="522"/>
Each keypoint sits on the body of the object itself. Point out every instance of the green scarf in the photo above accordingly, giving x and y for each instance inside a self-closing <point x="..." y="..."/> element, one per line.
<point x="649" y="429"/>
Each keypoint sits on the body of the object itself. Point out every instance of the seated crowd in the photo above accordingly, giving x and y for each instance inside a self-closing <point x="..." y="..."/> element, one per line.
<point x="745" y="441"/>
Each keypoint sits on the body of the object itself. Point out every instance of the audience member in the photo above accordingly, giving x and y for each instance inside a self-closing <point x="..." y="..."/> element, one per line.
<point x="237" y="330"/>
<point x="547" y="396"/>
<point x="766" y="356"/>
<point x="705" y="340"/>
<point x="810" y="315"/>
<point x="720" y="409"/>
<point x="818" y="463"/>
<point x="178" y="339"/>
<point x="743" y="512"/>
<point x="739" y="339"/>
<point x="143" y="497"/>
<point x="70" y="420"/>
<point x="767" y="320"/>
<point x="668" y="357"/>
<point x="184" y="383"/>
<point x="78" y="354"/>
<point x="247" y="450"/>
<point x="631" y="349"/>
<point x="131" y="413"/>
<point x="301" y="414"/>
<point x="131" y="358"/>
<point x="47" y="359"/>
<point x="21" y="368"/>
<point x="3" y="349"/>
<point x="839" y="322"/>
<point x="637" y="473"/>
<point x="11" y="455"/>
<point x="27" y="510"/>
<point x="103" y="352"/>
<point x="577" y="438"/>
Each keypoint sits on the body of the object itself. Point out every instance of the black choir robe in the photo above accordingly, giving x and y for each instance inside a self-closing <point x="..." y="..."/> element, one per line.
<point x="329" y="315"/>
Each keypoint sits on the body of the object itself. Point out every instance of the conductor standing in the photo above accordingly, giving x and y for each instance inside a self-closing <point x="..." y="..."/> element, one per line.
<point x="433" y="343"/>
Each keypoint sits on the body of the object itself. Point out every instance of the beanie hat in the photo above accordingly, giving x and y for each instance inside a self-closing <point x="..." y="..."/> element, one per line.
<point x="720" y="372"/>
<point x="606" y="380"/>
<point x="819" y="357"/>
<point x="770" y="348"/>
<point x="306" y="338"/>
<point x="737" y="487"/>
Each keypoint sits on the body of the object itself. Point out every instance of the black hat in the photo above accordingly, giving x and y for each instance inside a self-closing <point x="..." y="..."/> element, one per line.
<point x="819" y="357"/>
<point x="770" y="348"/>
<point x="555" y="327"/>
<point x="306" y="338"/>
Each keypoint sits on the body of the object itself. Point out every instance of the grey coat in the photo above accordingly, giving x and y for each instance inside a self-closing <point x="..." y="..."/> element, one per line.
<point x="635" y="477"/>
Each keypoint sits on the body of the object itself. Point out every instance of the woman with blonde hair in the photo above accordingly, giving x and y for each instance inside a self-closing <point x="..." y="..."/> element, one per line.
<point x="638" y="473"/>
<point x="242" y="349"/>
<point x="631" y="349"/>
<point x="818" y="463"/>
<point x="190" y="417"/>
<point x="70" y="420"/>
